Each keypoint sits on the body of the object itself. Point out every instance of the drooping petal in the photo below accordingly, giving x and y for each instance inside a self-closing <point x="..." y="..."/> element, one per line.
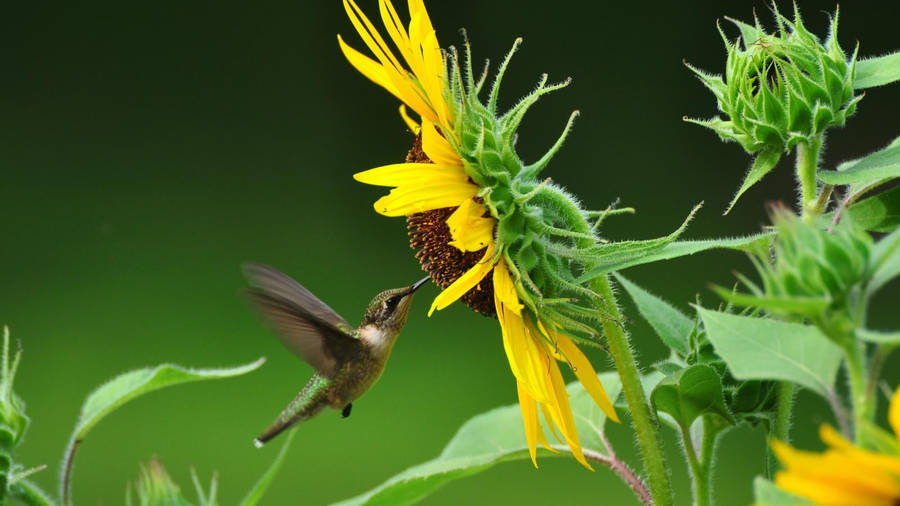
<point x="530" y="418"/>
<point x="467" y="281"/>
<point x="526" y="360"/>
<point x="505" y="289"/>
<point x="859" y="456"/>
<point x="562" y="413"/>
<point x="468" y="228"/>
<point x="586" y="374"/>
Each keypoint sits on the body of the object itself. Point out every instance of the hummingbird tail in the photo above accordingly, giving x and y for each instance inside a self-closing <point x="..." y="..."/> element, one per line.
<point x="308" y="403"/>
<point x="274" y="430"/>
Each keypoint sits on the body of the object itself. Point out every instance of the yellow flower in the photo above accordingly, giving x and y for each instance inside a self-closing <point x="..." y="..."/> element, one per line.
<point x="844" y="474"/>
<point x="456" y="231"/>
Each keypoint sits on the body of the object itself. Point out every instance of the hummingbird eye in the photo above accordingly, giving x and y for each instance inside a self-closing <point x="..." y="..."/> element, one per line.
<point x="391" y="303"/>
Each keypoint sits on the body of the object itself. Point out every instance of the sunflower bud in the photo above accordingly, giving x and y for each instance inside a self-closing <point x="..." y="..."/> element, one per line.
<point x="812" y="273"/>
<point x="780" y="90"/>
<point x="156" y="488"/>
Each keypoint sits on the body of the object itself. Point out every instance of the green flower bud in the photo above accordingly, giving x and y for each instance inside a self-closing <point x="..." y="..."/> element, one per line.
<point x="780" y="90"/>
<point x="156" y="488"/>
<point x="810" y="272"/>
<point x="13" y="421"/>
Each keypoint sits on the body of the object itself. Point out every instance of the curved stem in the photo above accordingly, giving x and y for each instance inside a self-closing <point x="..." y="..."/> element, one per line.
<point x="807" y="165"/>
<point x="619" y="467"/>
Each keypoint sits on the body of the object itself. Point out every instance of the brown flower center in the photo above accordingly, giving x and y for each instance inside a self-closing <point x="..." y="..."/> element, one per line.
<point x="429" y="233"/>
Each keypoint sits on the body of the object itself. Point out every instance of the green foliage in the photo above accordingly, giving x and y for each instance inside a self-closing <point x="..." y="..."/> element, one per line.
<point x="156" y="488"/>
<point x="871" y="170"/>
<point x="259" y="489"/>
<point x="767" y="494"/>
<point x="764" y="349"/>
<point x="671" y="325"/>
<point x="690" y="393"/>
<point x="885" y="261"/>
<point x="128" y="386"/>
<point x="879" y="213"/>
<point x="484" y="441"/>
<point x="877" y="71"/>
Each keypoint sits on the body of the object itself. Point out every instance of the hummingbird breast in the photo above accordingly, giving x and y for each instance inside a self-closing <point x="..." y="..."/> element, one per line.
<point x="355" y="378"/>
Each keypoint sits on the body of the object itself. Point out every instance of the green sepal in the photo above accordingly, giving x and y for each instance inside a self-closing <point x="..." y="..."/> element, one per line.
<point x="762" y="165"/>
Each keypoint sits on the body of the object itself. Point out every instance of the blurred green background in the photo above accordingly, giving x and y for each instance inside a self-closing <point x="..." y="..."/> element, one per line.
<point x="148" y="149"/>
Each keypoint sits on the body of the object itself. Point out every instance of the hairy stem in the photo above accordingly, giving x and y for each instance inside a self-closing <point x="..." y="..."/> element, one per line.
<point x="807" y="165"/>
<point x="863" y="404"/>
<point x="28" y="493"/>
<point x="698" y="471"/>
<point x="781" y="426"/>
<point x="620" y="468"/>
<point x="644" y="421"/>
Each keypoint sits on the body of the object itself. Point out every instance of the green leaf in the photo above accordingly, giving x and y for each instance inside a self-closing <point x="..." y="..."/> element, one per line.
<point x="874" y="336"/>
<point x="625" y="258"/>
<point x="885" y="260"/>
<point x="484" y="441"/>
<point x="690" y="393"/>
<point x="808" y="306"/>
<point x="760" y="348"/>
<point x="259" y="489"/>
<point x="767" y="494"/>
<point x="881" y="165"/>
<point x="879" y="213"/>
<point x="877" y="71"/>
<point x="764" y="162"/>
<point x="130" y="385"/>
<point x="670" y="324"/>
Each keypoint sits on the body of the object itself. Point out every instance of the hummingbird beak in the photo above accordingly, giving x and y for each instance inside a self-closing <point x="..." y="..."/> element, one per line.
<point x="418" y="284"/>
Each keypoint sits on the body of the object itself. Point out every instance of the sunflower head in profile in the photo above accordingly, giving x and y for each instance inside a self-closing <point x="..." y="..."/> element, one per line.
<point x="488" y="230"/>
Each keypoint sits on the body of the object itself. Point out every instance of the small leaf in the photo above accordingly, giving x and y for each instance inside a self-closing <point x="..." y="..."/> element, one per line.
<point x="807" y="306"/>
<point x="485" y="440"/>
<point x="259" y="489"/>
<point x="885" y="260"/>
<point x="690" y="393"/>
<point x="760" y="349"/>
<point x="877" y="71"/>
<point x="881" y="165"/>
<point x="767" y="494"/>
<point x="670" y="324"/>
<point x="879" y="213"/>
<point x="130" y="385"/>
<point x="764" y="162"/>
<point x="630" y="257"/>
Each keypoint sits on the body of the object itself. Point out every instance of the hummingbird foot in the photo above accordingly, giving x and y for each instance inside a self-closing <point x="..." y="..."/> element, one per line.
<point x="346" y="412"/>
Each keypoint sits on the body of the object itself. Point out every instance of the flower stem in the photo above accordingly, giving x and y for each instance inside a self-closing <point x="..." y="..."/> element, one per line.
<point x="646" y="425"/>
<point x="619" y="467"/>
<point x="698" y="469"/>
<point x="781" y="426"/>
<point x="27" y="492"/>
<point x="863" y="405"/>
<point x="807" y="165"/>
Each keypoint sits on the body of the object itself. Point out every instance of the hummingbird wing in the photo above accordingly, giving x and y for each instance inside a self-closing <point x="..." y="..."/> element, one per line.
<point x="303" y="323"/>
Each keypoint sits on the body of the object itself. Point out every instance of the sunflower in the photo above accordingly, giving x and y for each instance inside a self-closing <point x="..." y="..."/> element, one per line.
<point x="844" y="474"/>
<point x="478" y="216"/>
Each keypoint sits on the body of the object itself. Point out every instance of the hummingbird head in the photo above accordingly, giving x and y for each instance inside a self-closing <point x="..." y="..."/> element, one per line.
<point x="389" y="309"/>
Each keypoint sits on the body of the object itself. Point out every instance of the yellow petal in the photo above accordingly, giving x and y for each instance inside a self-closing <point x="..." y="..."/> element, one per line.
<point x="368" y="67"/>
<point x="586" y="374"/>
<point x="436" y="146"/>
<point x="469" y="230"/>
<point x="410" y="123"/>
<point x="526" y="360"/>
<point x="426" y="174"/>
<point x="505" y="289"/>
<point x="871" y="460"/>
<point x="467" y="281"/>
<point x="530" y="419"/>
<point x="562" y="413"/>
<point x="829" y="492"/>
<point x="370" y="35"/>
<point x="894" y="413"/>
<point x="416" y="198"/>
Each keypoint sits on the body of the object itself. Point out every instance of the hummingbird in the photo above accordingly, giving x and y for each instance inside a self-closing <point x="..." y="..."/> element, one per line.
<point x="347" y="360"/>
